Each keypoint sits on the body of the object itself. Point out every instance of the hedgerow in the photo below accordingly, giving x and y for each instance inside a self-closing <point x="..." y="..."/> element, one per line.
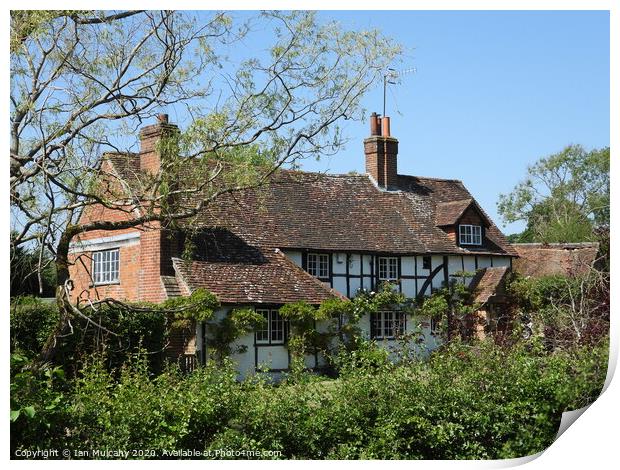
<point x="467" y="401"/>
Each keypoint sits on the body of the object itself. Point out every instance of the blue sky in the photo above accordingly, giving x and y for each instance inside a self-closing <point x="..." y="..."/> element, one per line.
<point x="492" y="93"/>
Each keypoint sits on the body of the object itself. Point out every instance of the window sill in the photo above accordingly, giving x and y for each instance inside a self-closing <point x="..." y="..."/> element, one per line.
<point x="101" y="284"/>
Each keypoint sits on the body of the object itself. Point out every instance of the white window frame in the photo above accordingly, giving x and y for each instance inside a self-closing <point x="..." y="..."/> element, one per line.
<point x="273" y="331"/>
<point x="389" y="270"/>
<point x="318" y="265"/>
<point x="470" y="234"/>
<point x="389" y="324"/>
<point x="106" y="266"/>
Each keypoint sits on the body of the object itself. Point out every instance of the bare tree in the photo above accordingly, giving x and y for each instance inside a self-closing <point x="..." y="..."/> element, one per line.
<point x="83" y="82"/>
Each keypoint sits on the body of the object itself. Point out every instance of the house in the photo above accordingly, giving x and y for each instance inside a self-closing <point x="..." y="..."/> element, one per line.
<point x="303" y="237"/>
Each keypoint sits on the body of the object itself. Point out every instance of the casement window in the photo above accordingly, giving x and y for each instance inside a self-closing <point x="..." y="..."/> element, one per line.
<point x="318" y="265"/>
<point x="273" y="329"/>
<point x="388" y="268"/>
<point x="470" y="234"/>
<point x="106" y="266"/>
<point x="387" y="324"/>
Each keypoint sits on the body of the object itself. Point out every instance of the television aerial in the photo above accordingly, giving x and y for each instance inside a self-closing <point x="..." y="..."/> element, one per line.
<point x="393" y="77"/>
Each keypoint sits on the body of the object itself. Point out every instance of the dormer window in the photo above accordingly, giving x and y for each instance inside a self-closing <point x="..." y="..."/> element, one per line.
<point x="470" y="235"/>
<point x="318" y="265"/>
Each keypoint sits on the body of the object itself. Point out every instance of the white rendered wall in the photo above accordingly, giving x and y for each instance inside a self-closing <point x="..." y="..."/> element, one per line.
<point x="501" y="261"/>
<point x="295" y="256"/>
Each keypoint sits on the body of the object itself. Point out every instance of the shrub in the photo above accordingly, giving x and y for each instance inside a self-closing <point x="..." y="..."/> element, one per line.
<point x="32" y="321"/>
<point x="468" y="401"/>
<point x="566" y="311"/>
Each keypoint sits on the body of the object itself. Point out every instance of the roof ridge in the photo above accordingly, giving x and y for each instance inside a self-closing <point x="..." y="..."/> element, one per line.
<point x="457" y="201"/>
<point x="179" y="273"/>
<point x="433" y="178"/>
<point x="557" y="244"/>
<point x="118" y="152"/>
<point x="366" y="175"/>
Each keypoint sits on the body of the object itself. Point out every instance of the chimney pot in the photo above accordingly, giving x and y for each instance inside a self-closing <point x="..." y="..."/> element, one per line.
<point x="385" y="126"/>
<point x="381" y="150"/>
<point x="374" y="124"/>
<point x="162" y="118"/>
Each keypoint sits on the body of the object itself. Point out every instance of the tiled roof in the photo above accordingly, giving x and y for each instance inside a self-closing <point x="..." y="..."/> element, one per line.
<point x="485" y="283"/>
<point x="126" y="164"/>
<point x="568" y="259"/>
<point x="171" y="286"/>
<point x="346" y="212"/>
<point x="238" y="273"/>
<point x="240" y="261"/>
<point x="277" y="281"/>
<point x="447" y="213"/>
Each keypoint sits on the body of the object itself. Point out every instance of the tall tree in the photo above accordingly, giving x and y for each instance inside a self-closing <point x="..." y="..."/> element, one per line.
<point x="82" y="83"/>
<point x="565" y="197"/>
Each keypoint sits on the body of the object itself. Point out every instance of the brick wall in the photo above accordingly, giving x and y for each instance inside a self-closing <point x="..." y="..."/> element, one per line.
<point x="451" y="231"/>
<point x="381" y="160"/>
<point x="126" y="289"/>
<point x="140" y="265"/>
<point x="150" y="159"/>
<point x="142" y="260"/>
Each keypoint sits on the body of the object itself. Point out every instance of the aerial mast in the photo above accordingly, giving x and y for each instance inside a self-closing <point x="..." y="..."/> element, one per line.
<point x="391" y="76"/>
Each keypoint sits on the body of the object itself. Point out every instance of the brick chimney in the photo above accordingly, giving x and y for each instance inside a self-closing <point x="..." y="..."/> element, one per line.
<point x="150" y="158"/>
<point x="157" y="245"/>
<point x="381" y="151"/>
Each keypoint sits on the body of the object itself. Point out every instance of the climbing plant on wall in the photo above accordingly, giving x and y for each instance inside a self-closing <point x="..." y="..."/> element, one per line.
<point x="222" y="334"/>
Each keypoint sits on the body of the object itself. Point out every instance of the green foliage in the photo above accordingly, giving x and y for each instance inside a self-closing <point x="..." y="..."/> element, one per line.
<point x="130" y="328"/>
<point x="223" y="333"/>
<point x="25" y="268"/>
<point x="564" y="198"/>
<point x="451" y="307"/>
<point x="301" y="316"/>
<point x="134" y="330"/>
<point x="466" y="402"/>
<point x="436" y="305"/>
<point x="564" y="310"/>
<point x="198" y="306"/>
<point x="364" y="357"/>
<point x="386" y="297"/>
<point x="37" y="402"/>
<point x="32" y="321"/>
<point x="345" y="318"/>
<point x="303" y="336"/>
<point x="342" y="317"/>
